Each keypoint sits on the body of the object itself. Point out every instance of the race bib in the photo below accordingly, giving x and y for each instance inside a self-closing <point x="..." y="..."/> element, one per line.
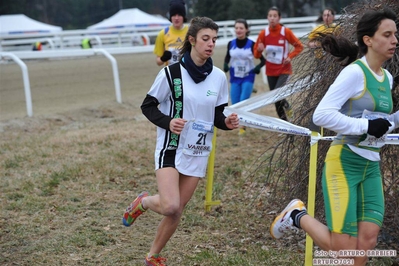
<point x="241" y="68"/>
<point x="175" y="56"/>
<point x="372" y="141"/>
<point x="274" y="54"/>
<point x="198" y="138"/>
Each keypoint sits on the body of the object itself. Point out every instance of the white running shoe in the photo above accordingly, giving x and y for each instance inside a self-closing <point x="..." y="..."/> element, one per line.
<point x="283" y="221"/>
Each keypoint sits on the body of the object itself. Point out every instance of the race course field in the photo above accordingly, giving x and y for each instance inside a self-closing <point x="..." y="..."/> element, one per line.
<point x="68" y="173"/>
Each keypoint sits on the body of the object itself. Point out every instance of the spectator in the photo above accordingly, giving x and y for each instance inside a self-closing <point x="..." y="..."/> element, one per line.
<point x="86" y="43"/>
<point x="37" y="46"/>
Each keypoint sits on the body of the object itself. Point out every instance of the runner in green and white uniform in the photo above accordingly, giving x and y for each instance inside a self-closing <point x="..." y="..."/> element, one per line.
<point x="358" y="107"/>
<point x="353" y="159"/>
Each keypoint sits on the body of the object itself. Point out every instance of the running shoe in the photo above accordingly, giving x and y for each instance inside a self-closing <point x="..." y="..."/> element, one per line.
<point x="283" y="222"/>
<point x="134" y="210"/>
<point x="155" y="260"/>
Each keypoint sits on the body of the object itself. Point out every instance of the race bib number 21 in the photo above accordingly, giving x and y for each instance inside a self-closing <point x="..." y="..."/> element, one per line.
<point x="198" y="139"/>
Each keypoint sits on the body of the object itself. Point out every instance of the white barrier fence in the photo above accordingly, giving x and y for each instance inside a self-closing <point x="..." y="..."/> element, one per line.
<point x="132" y="36"/>
<point x="72" y="39"/>
<point x="57" y="54"/>
<point x="112" y="41"/>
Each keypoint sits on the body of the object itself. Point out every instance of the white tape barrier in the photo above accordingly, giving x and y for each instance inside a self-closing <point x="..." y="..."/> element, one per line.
<point x="273" y="96"/>
<point x="242" y="109"/>
<point x="277" y="125"/>
<point x="267" y="123"/>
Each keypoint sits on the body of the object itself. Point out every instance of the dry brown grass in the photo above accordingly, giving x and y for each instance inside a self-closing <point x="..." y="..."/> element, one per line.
<point x="66" y="179"/>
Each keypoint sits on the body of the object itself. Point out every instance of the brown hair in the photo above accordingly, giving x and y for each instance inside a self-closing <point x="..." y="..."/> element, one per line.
<point x="243" y="21"/>
<point x="274" y="8"/>
<point x="197" y="24"/>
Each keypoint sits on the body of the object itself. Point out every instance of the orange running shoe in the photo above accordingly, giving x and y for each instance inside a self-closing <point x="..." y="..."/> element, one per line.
<point x="134" y="210"/>
<point x="155" y="260"/>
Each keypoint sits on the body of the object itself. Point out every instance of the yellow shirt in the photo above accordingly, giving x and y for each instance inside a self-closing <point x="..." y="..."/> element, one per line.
<point x="170" y="39"/>
<point x="323" y="29"/>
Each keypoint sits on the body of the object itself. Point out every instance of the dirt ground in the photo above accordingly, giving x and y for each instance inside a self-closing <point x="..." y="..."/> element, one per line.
<point x="60" y="85"/>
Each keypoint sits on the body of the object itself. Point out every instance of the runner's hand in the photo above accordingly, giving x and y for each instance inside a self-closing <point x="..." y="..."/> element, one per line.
<point x="226" y="67"/>
<point x="232" y="121"/>
<point x="261" y="47"/>
<point x="378" y="127"/>
<point x="287" y="61"/>
<point x="166" y="56"/>
<point x="256" y="70"/>
<point x="176" y="125"/>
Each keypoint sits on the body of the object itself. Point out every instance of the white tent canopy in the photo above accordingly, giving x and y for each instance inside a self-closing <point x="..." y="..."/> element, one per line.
<point x="21" y="24"/>
<point x="132" y="17"/>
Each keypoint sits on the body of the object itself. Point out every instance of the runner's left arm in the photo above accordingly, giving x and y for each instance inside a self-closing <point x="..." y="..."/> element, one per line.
<point x="219" y="120"/>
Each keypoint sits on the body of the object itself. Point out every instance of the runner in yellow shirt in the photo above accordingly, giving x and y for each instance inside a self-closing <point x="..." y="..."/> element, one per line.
<point x="172" y="37"/>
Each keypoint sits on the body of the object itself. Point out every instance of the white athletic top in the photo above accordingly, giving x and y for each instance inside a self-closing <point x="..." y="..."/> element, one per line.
<point x="348" y="84"/>
<point x="199" y="102"/>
